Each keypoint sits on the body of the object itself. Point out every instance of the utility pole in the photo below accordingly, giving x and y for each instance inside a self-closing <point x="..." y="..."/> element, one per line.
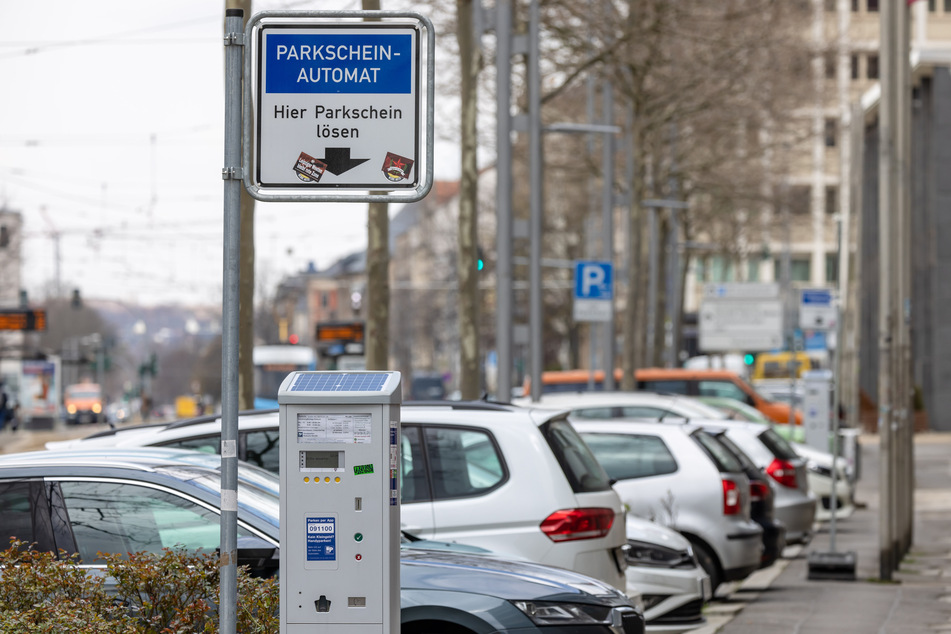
<point x="378" y="273"/>
<point x="607" y="224"/>
<point x="503" y="203"/>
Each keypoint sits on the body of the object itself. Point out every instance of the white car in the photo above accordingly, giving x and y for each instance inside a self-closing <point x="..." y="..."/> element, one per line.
<point x="512" y="480"/>
<point x="819" y="474"/>
<point x="664" y="571"/>
<point x="609" y="405"/>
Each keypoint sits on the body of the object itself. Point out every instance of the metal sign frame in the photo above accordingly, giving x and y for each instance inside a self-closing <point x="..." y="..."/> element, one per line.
<point x="317" y="19"/>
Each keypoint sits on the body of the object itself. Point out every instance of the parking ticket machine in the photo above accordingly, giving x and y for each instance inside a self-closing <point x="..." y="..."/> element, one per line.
<point x="340" y="514"/>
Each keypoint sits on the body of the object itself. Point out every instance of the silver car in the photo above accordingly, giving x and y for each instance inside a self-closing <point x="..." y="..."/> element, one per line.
<point x="795" y="503"/>
<point x="680" y="476"/>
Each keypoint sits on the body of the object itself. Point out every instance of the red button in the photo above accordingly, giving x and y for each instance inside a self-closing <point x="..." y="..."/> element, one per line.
<point x="359" y="557"/>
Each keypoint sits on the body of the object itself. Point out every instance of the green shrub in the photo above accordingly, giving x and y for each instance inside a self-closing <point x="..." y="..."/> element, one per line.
<point x="171" y="593"/>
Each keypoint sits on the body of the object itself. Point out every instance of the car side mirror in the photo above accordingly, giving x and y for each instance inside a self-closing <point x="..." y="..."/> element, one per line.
<point x="262" y="558"/>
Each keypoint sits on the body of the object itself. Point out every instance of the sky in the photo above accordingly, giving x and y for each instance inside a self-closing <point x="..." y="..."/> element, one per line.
<point x="112" y="145"/>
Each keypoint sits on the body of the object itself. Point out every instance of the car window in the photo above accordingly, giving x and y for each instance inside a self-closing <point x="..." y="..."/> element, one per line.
<point x="629" y="456"/>
<point x="414" y="485"/>
<point x="585" y="474"/>
<point x="117" y="517"/>
<point x="725" y="461"/>
<point x="16" y="512"/>
<point x="778" y="445"/>
<point x="593" y="413"/>
<point x="672" y="386"/>
<point x="727" y="389"/>
<point x="643" y="411"/>
<point x="736" y="451"/>
<point x="263" y="448"/>
<point x="206" y="444"/>
<point x="463" y="462"/>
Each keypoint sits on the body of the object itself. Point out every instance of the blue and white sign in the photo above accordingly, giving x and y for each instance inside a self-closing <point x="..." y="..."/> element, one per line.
<point x="817" y="310"/>
<point x="321" y="536"/>
<point x="338" y="106"/>
<point x="594" y="291"/>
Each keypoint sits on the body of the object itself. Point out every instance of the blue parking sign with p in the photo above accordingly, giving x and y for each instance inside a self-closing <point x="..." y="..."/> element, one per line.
<point x="594" y="280"/>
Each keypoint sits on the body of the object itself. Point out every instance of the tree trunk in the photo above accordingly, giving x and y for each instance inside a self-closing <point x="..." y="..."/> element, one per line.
<point x="470" y="380"/>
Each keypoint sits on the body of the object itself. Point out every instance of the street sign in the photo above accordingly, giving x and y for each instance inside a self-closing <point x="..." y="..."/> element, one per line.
<point x="594" y="291"/>
<point x="740" y="316"/>
<point x="337" y="108"/>
<point x="22" y="319"/>
<point x="816" y="309"/>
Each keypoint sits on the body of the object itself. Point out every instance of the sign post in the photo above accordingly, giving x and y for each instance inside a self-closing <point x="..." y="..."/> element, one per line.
<point x="330" y="106"/>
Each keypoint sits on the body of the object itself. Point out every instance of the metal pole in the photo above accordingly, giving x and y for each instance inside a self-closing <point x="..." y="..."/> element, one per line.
<point x="535" y="203"/>
<point x="886" y="209"/>
<point x="652" y="254"/>
<point x="591" y="246"/>
<point x="903" y="292"/>
<point x="503" y="264"/>
<point x="607" y="203"/>
<point x="836" y="396"/>
<point x="228" y="593"/>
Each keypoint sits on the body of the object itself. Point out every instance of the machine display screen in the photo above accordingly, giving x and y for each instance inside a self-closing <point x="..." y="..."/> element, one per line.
<point x="321" y="460"/>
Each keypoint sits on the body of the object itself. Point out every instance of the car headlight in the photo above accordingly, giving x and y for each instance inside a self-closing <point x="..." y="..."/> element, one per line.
<point x="551" y="613"/>
<point x="646" y="554"/>
<point x="819" y="469"/>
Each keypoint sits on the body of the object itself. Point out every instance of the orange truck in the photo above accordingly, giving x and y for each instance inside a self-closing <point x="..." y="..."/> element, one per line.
<point x="83" y="403"/>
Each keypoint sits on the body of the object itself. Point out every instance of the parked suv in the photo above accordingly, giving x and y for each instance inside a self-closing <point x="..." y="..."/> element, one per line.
<point x="679" y="475"/>
<point x="513" y="480"/>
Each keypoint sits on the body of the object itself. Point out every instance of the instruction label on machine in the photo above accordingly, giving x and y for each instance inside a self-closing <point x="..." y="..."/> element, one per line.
<point x="321" y="538"/>
<point x="335" y="428"/>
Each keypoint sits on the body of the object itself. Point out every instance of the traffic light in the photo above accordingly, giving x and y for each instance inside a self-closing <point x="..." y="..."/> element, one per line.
<point x="748" y="359"/>
<point x="480" y="259"/>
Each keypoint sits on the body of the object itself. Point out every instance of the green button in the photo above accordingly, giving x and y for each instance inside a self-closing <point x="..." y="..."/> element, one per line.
<point x="358" y="537"/>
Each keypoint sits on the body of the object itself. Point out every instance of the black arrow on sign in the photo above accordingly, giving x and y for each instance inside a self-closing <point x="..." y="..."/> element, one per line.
<point x="338" y="160"/>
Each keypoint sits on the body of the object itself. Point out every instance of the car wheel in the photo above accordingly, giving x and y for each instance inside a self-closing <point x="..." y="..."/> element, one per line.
<point x="708" y="561"/>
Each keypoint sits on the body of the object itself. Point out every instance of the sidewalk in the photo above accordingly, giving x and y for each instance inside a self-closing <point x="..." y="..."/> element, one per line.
<point x="780" y="600"/>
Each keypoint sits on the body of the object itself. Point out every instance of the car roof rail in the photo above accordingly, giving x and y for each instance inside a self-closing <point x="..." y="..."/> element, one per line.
<point x="210" y="418"/>
<point x="115" y="430"/>
<point x="465" y="405"/>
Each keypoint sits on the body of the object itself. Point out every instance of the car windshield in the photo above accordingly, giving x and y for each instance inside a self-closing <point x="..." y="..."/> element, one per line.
<point x="584" y="472"/>
<point x="263" y="502"/>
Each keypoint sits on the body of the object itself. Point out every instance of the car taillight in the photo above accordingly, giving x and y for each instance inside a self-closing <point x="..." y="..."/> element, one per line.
<point x="731" y="498"/>
<point x="783" y="472"/>
<point x="572" y="524"/>
<point x="759" y="491"/>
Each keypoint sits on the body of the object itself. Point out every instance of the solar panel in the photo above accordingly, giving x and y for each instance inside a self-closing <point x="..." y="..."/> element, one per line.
<point x="339" y="382"/>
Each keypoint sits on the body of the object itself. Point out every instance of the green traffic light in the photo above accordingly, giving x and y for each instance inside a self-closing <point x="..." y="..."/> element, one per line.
<point x="748" y="359"/>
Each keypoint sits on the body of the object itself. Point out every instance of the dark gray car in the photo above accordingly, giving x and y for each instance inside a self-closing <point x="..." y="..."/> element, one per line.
<point x="127" y="500"/>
